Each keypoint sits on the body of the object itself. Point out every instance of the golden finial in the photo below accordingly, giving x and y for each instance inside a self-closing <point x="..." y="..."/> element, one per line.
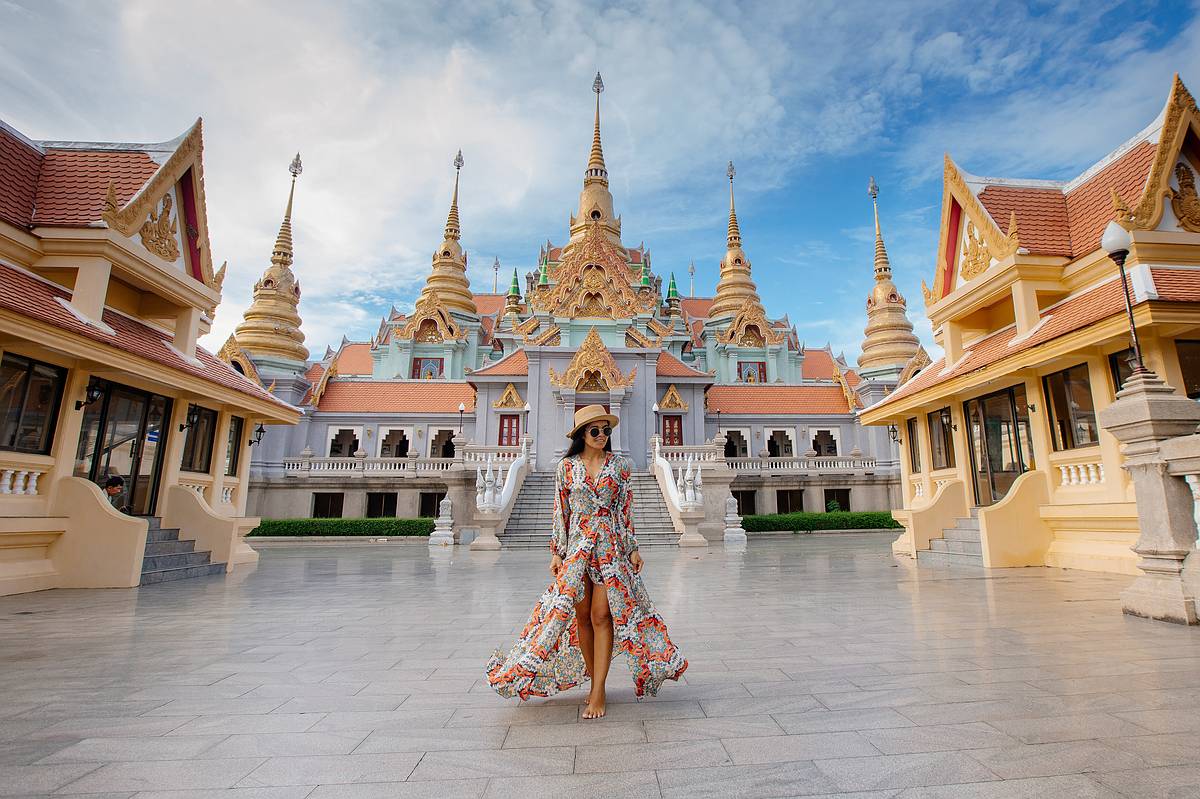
<point x="596" y="168"/>
<point x="452" y="228"/>
<point x="883" y="269"/>
<point x="283" y="242"/>
<point x="734" y="234"/>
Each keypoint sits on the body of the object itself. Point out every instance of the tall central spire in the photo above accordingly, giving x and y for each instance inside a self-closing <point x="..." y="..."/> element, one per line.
<point x="452" y="229"/>
<point x="734" y="238"/>
<point x="595" y="168"/>
<point x="889" y="342"/>
<point x="883" y="269"/>
<point x="282" y="253"/>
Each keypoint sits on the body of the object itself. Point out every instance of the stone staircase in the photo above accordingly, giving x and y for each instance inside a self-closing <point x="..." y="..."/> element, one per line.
<point x="530" y="524"/>
<point x="167" y="558"/>
<point x="959" y="545"/>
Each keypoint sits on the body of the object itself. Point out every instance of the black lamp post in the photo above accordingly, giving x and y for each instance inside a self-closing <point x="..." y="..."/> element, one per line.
<point x="461" y="409"/>
<point x="1116" y="242"/>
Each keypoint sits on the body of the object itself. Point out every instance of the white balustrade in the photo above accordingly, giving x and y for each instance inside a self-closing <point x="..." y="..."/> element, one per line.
<point x="799" y="464"/>
<point x="227" y="492"/>
<point x="1087" y="473"/>
<point x="494" y="489"/>
<point x="918" y="489"/>
<point x="199" y="488"/>
<point x="20" y="481"/>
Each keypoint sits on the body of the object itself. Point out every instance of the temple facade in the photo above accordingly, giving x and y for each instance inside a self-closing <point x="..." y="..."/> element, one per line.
<point x="392" y="425"/>
<point x="1006" y="457"/>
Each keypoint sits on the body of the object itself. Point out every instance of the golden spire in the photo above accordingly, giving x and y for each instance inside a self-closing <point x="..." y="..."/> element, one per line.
<point x="735" y="288"/>
<point x="452" y="229"/>
<point x="734" y="233"/>
<point x="889" y="341"/>
<point x="270" y="328"/>
<point x="595" y="167"/>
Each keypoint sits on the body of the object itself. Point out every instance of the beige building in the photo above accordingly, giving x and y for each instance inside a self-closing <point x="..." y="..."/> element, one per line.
<point x="106" y="282"/>
<point x="1004" y="461"/>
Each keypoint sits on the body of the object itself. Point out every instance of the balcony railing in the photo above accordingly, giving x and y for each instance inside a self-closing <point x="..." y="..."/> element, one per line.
<point x="800" y="464"/>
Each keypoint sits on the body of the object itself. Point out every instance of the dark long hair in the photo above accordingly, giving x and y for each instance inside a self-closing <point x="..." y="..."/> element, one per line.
<point x="577" y="444"/>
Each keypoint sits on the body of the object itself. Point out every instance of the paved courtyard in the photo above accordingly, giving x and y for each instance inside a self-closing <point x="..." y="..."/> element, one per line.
<point x="819" y="666"/>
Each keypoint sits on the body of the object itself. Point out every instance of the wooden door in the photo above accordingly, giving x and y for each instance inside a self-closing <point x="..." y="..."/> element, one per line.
<point x="510" y="430"/>
<point x="672" y="430"/>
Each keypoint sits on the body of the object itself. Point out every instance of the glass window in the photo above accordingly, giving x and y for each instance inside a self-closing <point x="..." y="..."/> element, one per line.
<point x="745" y="501"/>
<point x="1072" y="414"/>
<point x="752" y="371"/>
<point x="1189" y="365"/>
<point x="381" y="505"/>
<point x="233" y="448"/>
<point x="914" y="446"/>
<point x="197" y="447"/>
<point x="1118" y="366"/>
<point x="941" y="442"/>
<point x="426" y="368"/>
<point x="837" y="499"/>
<point x="428" y="503"/>
<point x="789" y="500"/>
<point x="327" y="505"/>
<point x="30" y="393"/>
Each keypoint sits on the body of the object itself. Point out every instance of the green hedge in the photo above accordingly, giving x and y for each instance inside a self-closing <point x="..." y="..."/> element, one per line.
<point x="372" y="527"/>
<point x="805" y="522"/>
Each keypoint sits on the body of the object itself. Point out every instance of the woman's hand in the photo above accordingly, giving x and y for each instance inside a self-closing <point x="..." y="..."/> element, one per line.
<point x="555" y="565"/>
<point x="635" y="560"/>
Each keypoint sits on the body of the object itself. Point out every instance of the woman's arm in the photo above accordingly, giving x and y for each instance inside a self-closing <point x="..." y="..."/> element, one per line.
<point x="562" y="509"/>
<point x="625" y="508"/>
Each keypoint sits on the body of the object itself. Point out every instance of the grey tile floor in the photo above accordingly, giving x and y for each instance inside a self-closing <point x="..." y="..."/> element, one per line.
<point x="820" y="666"/>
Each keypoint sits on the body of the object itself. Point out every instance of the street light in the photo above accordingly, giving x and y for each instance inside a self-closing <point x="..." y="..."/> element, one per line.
<point x="1116" y="242"/>
<point x="461" y="409"/>
<point x="259" y="432"/>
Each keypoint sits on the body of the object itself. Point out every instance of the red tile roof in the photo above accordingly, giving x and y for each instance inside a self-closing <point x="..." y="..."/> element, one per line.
<point x="1089" y="206"/>
<point x="487" y="304"/>
<point x="355" y="359"/>
<point x="514" y="364"/>
<point x="73" y="184"/>
<point x="20" y="163"/>
<point x="670" y="366"/>
<point x="379" y="396"/>
<point x="817" y="365"/>
<point x="1177" y="285"/>
<point x="697" y="306"/>
<point x="23" y="294"/>
<point x="1041" y="216"/>
<point x="777" y="399"/>
<point x="315" y="372"/>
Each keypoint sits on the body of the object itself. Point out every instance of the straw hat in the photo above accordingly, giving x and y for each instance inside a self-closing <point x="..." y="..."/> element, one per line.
<point x="591" y="413"/>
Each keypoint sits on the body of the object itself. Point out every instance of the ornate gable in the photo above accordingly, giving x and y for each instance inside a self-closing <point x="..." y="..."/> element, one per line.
<point x="634" y="338"/>
<point x="430" y="322"/>
<point x="592" y="280"/>
<point x="593" y="368"/>
<point x="509" y="399"/>
<point x="671" y="401"/>
<point x="750" y="327"/>
<point x="319" y="389"/>
<point x="232" y="354"/>
<point x="914" y="365"/>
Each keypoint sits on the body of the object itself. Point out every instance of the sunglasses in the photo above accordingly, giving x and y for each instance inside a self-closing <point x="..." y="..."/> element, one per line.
<point x="596" y="431"/>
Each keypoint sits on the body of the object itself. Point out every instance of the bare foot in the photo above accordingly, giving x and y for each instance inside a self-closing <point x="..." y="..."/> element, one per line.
<point x="595" y="706"/>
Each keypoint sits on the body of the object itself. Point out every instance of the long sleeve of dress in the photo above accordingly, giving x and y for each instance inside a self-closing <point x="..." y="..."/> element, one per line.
<point x="562" y="509"/>
<point x="625" y="508"/>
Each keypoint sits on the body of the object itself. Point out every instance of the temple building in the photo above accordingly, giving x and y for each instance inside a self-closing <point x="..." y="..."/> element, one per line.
<point x="469" y="379"/>
<point x="1006" y="459"/>
<point x="124" y="446"/>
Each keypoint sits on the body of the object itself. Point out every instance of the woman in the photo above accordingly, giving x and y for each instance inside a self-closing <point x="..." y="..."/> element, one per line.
<point x="597" y="602"/>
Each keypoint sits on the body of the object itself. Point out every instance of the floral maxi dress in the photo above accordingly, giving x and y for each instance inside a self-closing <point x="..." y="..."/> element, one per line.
<point x="593" y="532"/>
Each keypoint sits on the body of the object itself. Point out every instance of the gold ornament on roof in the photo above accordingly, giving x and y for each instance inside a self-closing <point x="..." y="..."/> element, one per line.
<point x="671" y="401"/>
<point x="750" y="327"/>
<point x="158" y="232"/>
<point x="547" y="338"/>
<point x="593" y="280"/>
<point x="232" y="354"/>
<point x="509" y="399"/>
<point x="218" y="280"/>
<point x="593" y="368"/>
<point x="634" y="338"/>
<point x="915" y="364"/>
<point x="975" y="255"/>
<point x="1184" y="201"/>
<point x="430" y="322"/>
<point x="1181" y="115"/>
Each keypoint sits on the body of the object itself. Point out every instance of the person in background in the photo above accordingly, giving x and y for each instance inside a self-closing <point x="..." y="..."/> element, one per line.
<point x="114" y="489"/>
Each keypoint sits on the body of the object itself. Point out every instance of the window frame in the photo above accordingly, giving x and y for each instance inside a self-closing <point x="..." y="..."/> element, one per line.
<point x="1114" y="369"/>
<point x="328" y="498"/>
<point x="51" y="425"/>
<point x="188" y="459"/>
<point x="1068" y="441"/>
<point x="1184" y="388"/>
<point x="911" y="426"/>
<point x="419" y="360"/>
<point x="233" y="446"/>
<point x="761" y="369"/>
<point x="941" y="426"/>
<point x="384" y="499"/>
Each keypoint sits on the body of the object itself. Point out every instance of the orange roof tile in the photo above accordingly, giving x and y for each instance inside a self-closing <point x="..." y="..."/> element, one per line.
<point x="670" y="366"/>
<point x="697" y="306"/>
<point x="777" y="399"/>
<point x="20" y="163"/>
<point x="1177" y="285"/>
<point x="382" y="396"/>
<point x="1041" y="216"/>
<point x="23" y="294"/>
<point x="315" y="372"/>
<point x="487" y="304"/>
<point x="817" y="365"/>
<point x="355" y="359"/>
<point x="513" y="364"/>
<point x="1089" y="206"/>
<point x="73" y="184"/>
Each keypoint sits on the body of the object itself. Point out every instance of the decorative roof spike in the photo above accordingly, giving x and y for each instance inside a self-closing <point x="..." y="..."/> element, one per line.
<point x="883" y="269"/>
<point x="595" y="167"/>
<point x="282" y="253"/>
<point x="645" y="274"/>
<point x="452" y="226"/>
<point x="514" y="288"/>
<point x="671" y="290"/>
<point x="734" y="238"/>
<point x="544" y="276"/>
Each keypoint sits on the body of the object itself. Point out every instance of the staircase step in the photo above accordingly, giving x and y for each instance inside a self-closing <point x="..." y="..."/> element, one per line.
<point x="930" y="558"/>
<point x="182" y="573"/>
<point x="960" y="534"/>
<point x="169" y="547"/>
<point x="968" y="523"/>
<point x="153" y="563"/>
<point x="956" y="546"/>
<point x="162" y="534"/>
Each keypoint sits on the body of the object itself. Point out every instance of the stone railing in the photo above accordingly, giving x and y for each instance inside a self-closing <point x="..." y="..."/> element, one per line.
<point x="228" y="494"/>
<point x="494" y="490"/>
<point x="22" y="479"/>
<point x="480" y="453"/>
<point x="677" y="455"/>
<point x="372" y="467"/>
<point x="198" y="483"/>
<point x="918" y="487"/>
<point x="800" y="464"/>
<point x="682" y="487"/>
<point x="1079" y="469"/>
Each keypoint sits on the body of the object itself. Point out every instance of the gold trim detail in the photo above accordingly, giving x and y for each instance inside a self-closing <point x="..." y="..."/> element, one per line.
<point x="671" y="401"/>
<point x="593" y="368"/>
<point x="509" y="399"/>
<point x="232" y="353"/>
<point x="547" y="338"/>
<point x="750" y="315"/>
<point x="158" y="232"/>
<point x="915" y="364"/>
<point x="429" y="308"/>
<point x="319" y="389"/>
<point x="1184" y="202"/>
<point x="634" y="338"/>
<point x="844" y="384"/>
<point x="592" y="280"/>
<point x="975" y="256"/>
<point x="1181" y="114"/>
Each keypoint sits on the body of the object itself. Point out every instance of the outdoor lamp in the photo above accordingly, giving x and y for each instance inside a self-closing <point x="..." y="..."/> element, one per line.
<point x="654" y="407"/>
<point x="461" y="409"/>
<point x="94" y="392"/>
<point x="193" y="418"/>
<point x="259" y="432"/>
<point x="1116" y="241"/>
<point x="893" y="433"/>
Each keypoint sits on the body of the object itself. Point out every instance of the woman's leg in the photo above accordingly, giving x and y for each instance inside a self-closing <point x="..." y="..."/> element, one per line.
<point x="583" y="624"/>
<point x="602" y="634"/>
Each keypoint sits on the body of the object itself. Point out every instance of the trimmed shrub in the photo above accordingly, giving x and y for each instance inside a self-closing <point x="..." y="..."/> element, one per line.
<point x="807" y="522"/>
<point x="372" y="527"/>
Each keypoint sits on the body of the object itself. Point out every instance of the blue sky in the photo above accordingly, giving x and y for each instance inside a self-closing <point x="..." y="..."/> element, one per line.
<point x="808" y="99"/>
